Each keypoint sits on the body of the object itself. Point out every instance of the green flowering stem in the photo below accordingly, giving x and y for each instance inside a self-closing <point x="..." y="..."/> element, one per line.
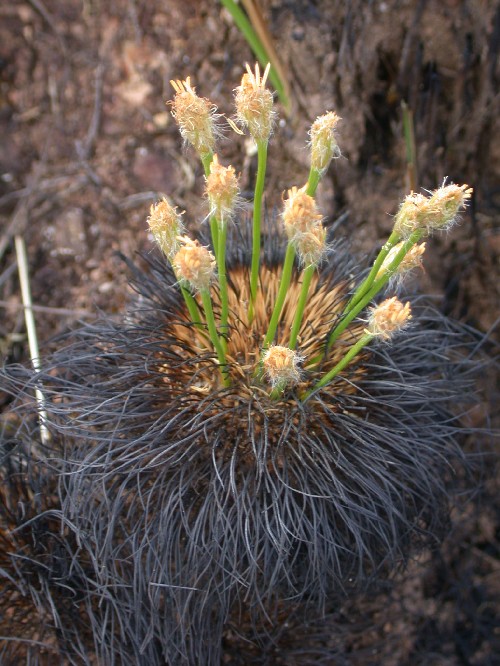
<point x="257" y="214"/>
<point x="377" y="285"/>
<point x="286" y="277"/>
<point x="206" y="160"/>
<point x="221" y="270"/>
<point x="313" y="181"/>
<point x="299" y="312"/>
<point x="214" y="232"/>
<point x="393" y="240"/>
<point x="212" y="329"/>
<point x="352" y="353"/>
<point x="191" y="305"/>
<point x="411" y="150"/>
<point x="277" y="391"/>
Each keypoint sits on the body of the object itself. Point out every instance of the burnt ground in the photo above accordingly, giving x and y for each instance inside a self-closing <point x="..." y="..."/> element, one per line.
<point x="88" y="144"/>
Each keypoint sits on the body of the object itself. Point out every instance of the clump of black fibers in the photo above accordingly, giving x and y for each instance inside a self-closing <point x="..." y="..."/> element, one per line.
<point x="43" y="619"/>
<point x="195" y="505"/>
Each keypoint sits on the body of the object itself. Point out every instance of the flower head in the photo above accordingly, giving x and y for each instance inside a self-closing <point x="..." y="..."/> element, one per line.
<point x="194" y="264"/>
<point x="166" y="225"/>
<point x="439" y="211"/>
<point x="412" y="214"/>
<point x="195" y="117"/>
<point x="254" y="103"/>
<point x="311" y="246"/>
<point x="412" y="259"/>
<point x="281" y="366"/>
<point x="448" y="201"/>
<point x="324" y="145"/>
<point x="300" y="213"/>
<point x="222" y="190"/>
<point x="388" y="318"/>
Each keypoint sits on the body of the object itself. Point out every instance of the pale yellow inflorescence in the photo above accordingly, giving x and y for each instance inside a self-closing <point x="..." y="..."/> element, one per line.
<point x="449" y="200"/>
<point x="412" y="214"/>
<point x="166" y="226"/>
<point x="195" y="117"/>
<point x="388" y="318"/>
<point x="412" y="259"/>
<point x="194" y="264"/>
<point x="281" y="366"/>
<point x="439" y="211"/>
<point x="222" y="191"/>
<point x="324" y="145"/>
<point x="300" y="213"/>
<point x="254" y="104"/>
<point x="311" y="246"/>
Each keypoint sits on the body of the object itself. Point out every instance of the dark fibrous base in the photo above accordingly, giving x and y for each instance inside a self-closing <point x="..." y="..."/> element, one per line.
<point x="197" y="506"/>
<point x="43" y="620"/>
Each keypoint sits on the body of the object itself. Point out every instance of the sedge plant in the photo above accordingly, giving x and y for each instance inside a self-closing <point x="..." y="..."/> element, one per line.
<point x="269" y="427"/>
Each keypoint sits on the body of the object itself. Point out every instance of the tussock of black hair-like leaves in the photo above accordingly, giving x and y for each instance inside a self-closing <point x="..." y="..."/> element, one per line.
<point x="43" y="619"/>
<point x="193" y="508"/>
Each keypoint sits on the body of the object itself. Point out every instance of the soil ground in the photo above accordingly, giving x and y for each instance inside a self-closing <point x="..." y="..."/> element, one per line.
<point x="88" y="144"/>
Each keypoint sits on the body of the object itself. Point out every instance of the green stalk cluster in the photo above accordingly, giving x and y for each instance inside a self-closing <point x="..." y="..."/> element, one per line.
<point x="257" y="217"/>
<point x="416" y="219"/>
